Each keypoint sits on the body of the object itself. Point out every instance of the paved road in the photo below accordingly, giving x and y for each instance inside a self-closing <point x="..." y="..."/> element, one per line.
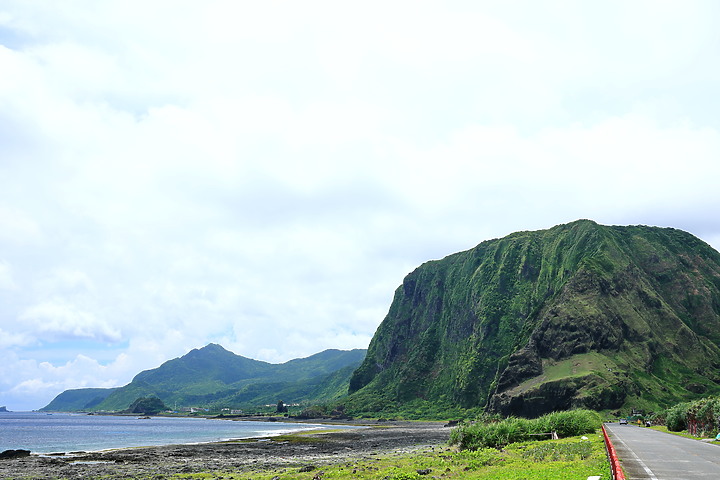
<point x="648" y="454"/>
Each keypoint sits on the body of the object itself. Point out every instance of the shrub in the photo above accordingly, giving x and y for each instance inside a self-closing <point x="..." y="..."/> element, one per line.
<point x="316" y="411"/>
<point x="147" y="406"/>
<point x="511" y="430"/>
<point x="570" y="423"/>
<point x="676" y="417"/>
<point x="703" y="417"/>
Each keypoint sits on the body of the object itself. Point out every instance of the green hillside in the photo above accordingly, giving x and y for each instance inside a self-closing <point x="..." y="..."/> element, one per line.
<point x="579" y="315"/>
<point x="78" y="399"/>
<point x="216" y="378"/>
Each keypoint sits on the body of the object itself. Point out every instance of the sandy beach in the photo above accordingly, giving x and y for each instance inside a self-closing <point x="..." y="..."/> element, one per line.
<point x="264" y="454"/>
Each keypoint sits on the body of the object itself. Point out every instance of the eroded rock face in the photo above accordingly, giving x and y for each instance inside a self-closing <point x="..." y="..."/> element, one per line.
<point x="523" y="364"/>
<point x="590" y="392"/>
<point x="548" y="397"/>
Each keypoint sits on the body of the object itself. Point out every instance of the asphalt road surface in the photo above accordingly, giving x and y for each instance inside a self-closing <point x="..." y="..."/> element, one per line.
<point x="648" y="454"/>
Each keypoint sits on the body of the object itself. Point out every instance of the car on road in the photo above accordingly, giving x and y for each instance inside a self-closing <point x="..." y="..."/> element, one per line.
<point x="623" y="421"/>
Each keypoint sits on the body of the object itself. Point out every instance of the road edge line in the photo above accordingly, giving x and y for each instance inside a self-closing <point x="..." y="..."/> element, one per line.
<point x="650" y="473"/>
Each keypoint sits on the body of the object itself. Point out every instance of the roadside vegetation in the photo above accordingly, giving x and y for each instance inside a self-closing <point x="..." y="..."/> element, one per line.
<point x="573" y="457"/>
<point x="700" y="418"/>
<point x="489" y="449"/>
<point x="498" y="434"/>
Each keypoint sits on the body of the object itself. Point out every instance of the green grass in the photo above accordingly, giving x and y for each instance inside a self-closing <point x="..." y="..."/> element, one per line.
<point x="662" y="428"/>
<point x="576" y="366"/>
<point x="511" y="430"/>
<point x="572" y="457"/>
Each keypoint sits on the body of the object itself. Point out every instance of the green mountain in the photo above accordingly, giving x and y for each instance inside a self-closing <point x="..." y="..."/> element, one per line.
<point x="214" y="377"/>
<point x="579" y="315"/>
<point x="80" y="399"/>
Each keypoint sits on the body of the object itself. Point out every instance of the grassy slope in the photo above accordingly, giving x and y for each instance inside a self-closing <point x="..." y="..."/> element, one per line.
<point x="78" y="399"/>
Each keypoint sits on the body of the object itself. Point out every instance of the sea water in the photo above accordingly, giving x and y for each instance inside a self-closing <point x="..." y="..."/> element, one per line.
<point x="64" y="432"/>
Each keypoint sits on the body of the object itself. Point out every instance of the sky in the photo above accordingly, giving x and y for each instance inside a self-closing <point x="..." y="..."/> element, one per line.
<point x="263" y="175"/>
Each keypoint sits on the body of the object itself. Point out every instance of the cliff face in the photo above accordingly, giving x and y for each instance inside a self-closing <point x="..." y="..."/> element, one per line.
<point x="577" y="315"/>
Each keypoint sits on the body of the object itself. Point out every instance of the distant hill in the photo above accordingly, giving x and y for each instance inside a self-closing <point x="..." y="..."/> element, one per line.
<point x="579" y="315"/>
<point x="80" y="399"/>
<point x="214" y="377"/>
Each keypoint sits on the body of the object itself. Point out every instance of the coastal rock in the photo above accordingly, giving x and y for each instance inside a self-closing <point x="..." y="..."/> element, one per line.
<point x="9" y="454"/>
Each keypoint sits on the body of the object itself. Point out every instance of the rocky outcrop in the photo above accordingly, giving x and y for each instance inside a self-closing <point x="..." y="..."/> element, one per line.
<point x="10" y="454"/>
<point x="548" y="397"/>
<point x="590" y="392"/>
<point x="523" y="364"/>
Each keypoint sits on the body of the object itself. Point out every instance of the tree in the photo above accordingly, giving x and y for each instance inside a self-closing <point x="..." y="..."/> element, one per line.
<point x="281" y="408"/>
<point x="147" y="406"/>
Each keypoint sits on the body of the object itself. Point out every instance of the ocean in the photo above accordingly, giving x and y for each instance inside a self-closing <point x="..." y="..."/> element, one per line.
<point x="64" y="432"/>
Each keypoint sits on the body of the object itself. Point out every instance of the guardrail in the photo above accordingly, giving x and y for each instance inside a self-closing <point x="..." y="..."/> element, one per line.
<point x="617" y="473"/>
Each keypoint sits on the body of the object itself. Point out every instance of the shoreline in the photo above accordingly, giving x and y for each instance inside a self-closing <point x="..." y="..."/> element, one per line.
<point x="275" y="426"/>
<point x="258" y="454"/>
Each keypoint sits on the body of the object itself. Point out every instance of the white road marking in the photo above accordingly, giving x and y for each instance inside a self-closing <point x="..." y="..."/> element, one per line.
<point x="651" y="475"/>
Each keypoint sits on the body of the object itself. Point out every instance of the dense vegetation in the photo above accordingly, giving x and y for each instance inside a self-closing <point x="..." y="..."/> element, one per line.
<point x="147" y="406"/>
<point x="699" y="418"/>
<point x="497" y="434"/>
<point x="212" y="377"/>
<point x="577" y="316"/>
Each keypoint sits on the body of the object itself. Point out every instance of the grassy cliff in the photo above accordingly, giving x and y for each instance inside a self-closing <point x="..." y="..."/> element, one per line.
<point x="579" y="315"/>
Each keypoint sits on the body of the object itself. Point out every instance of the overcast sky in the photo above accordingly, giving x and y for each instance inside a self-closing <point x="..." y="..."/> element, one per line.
<point x="263" y="175"/>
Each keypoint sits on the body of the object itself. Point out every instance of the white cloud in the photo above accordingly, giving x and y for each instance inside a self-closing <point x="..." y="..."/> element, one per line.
<point x="67" y="280"/>
<point x="56" y="319"/>
<point x="13" y="339"/>
<point x="263" y="175"/>
<point x="16" y="227"/>
<point x="6" y="276"/>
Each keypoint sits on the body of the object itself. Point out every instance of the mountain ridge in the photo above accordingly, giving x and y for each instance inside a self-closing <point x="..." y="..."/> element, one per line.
<point x="214" y="376"/>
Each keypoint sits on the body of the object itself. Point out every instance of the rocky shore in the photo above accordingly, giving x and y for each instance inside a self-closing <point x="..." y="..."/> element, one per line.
<point x="241" y="456"/>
